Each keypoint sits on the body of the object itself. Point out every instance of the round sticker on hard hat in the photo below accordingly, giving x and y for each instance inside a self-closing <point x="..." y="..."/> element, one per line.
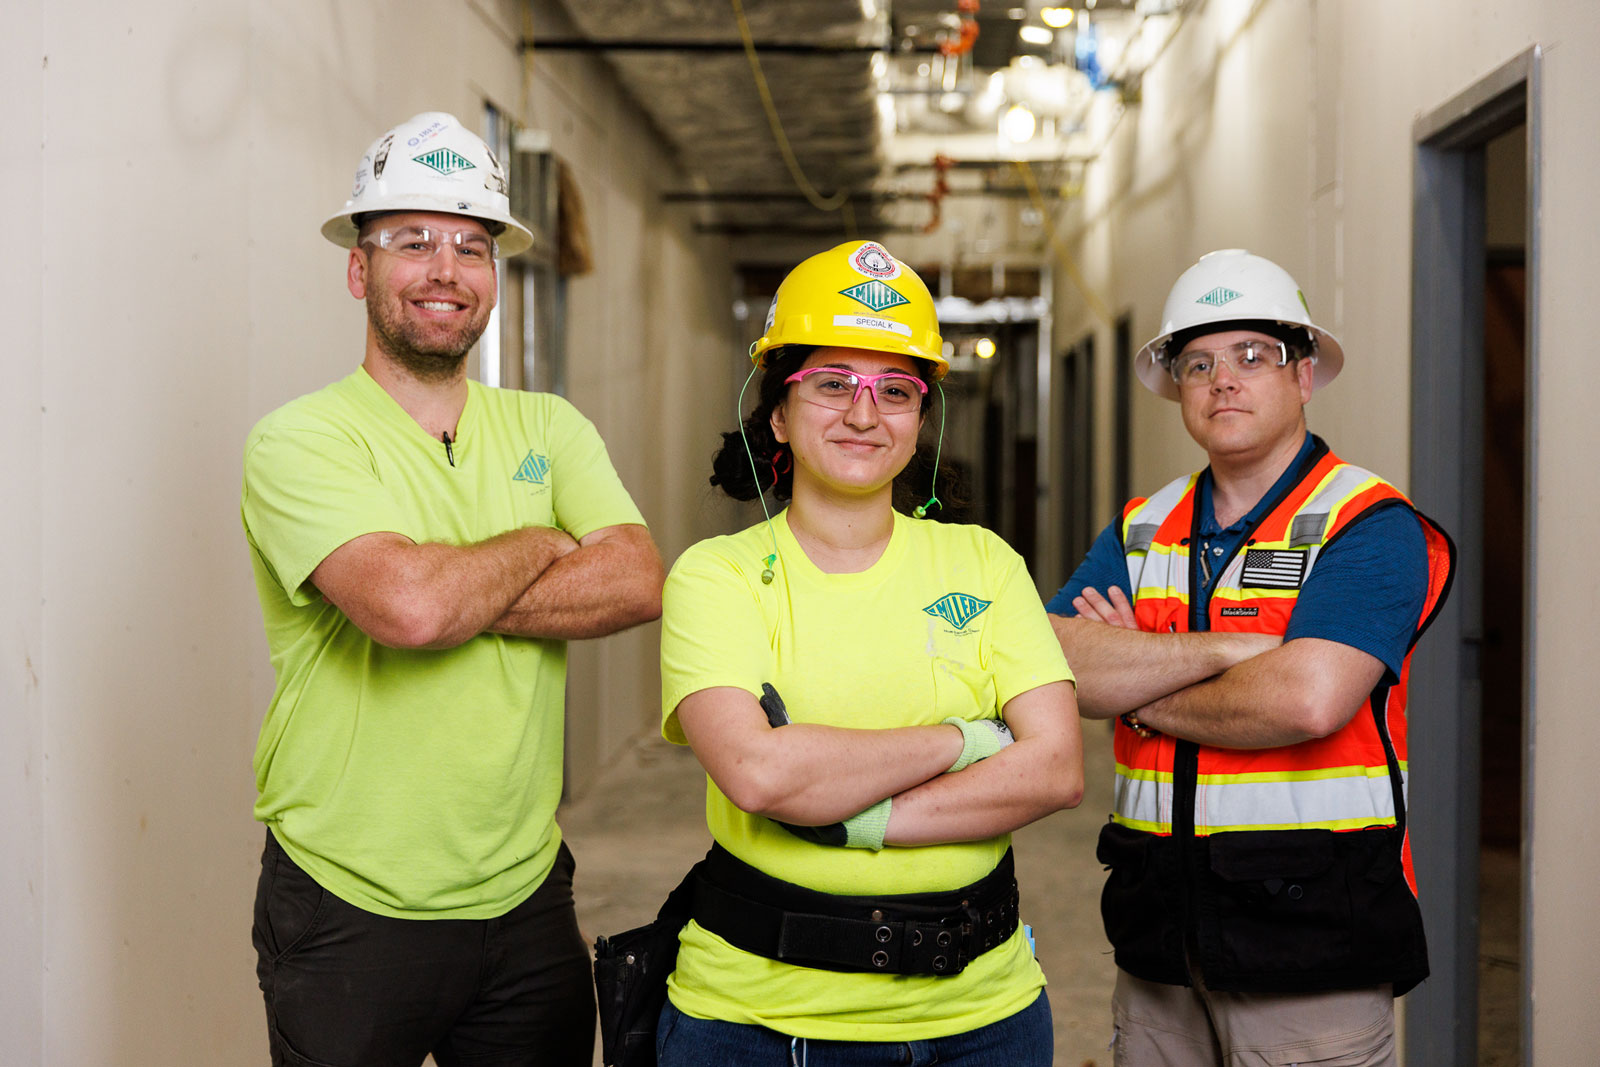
<point x="874" y="261"/>
<point x="867" y="322"/>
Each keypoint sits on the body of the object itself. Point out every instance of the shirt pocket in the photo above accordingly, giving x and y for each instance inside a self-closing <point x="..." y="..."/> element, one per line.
<point x="962" y="687"/>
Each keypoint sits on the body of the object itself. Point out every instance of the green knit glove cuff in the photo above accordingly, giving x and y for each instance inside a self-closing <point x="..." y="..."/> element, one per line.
<point x="980" y="740"/>
<point x="865" y="829"/>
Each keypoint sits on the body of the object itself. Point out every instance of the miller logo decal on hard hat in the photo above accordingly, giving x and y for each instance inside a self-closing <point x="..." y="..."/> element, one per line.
<point x="875" y="295"/>
<point x="874" y="261"/>
<point x="1219" y="296"/>
<point x="957" y="609"/>
<point x="444" y="161"/>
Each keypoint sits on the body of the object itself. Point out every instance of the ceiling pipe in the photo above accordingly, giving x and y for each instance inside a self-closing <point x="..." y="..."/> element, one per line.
<point x="888" y="196"/>
<point x="787" y="48"/>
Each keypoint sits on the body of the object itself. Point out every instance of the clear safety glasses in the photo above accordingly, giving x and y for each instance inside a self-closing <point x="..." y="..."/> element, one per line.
<point x="1198" y="366"/>
<point x="894" y="392"/>
<point x="421" y="243"/>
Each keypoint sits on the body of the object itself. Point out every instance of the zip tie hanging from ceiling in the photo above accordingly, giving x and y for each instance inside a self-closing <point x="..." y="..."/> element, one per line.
<point x="818" y="201"/>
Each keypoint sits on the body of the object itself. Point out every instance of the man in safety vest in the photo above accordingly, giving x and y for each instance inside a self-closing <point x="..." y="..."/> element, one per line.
<point x="424" y="547"/>
<point x="1251" y="626"/>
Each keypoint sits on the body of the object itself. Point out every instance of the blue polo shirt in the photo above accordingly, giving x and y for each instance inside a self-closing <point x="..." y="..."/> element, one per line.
<point x="1366" y="590"/>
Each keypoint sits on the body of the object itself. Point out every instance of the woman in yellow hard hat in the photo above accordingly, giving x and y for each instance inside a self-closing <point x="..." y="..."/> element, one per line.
<point x="847" y="674"/>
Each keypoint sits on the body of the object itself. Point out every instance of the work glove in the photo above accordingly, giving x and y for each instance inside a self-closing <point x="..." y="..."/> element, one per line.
<point x="772" y="704"/>
<point x="865" y="829"/>
<point x="980" y="740"/>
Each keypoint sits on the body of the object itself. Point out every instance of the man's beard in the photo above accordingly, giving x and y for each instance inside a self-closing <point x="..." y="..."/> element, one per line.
<point x="424" y="353"/>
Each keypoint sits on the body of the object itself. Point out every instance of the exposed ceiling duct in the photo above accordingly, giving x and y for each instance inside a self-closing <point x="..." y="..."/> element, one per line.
<point x="685" y="63"/>
<point x="900" y="104"/>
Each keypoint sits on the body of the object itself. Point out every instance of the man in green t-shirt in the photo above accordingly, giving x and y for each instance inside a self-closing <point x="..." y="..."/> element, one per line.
<point x="423" y="548"/>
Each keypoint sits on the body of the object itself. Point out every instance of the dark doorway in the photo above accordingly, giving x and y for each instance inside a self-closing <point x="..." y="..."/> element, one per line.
<point x="1076" y="496"/>
<point x="1122" y="415"/>
<point x="1474" y="253"/>
<point x="1500" y="672"/>
<point x="1001" y="446"/>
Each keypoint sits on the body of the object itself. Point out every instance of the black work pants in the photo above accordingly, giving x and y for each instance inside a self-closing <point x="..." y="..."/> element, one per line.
<point x="347" y="988"/>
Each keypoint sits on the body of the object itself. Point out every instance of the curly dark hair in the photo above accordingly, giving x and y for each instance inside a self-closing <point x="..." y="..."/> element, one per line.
<point x="730" y="467"/>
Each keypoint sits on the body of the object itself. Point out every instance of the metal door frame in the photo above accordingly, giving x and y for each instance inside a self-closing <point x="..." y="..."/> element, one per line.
<point x="1447" y="380"/>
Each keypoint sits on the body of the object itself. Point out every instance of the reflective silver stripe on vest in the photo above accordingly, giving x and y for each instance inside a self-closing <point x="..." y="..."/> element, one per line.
<point x="1311" y="521"/>
<point x="1345" y="798"/>
<point x="1139" y="533"/>
<point x="1143" y="800"/>
<point x="1308" y="529"/>
<point x="1140" y="537"/>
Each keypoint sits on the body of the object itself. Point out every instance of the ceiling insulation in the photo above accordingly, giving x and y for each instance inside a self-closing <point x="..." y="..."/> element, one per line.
<point x="704" y="99"/>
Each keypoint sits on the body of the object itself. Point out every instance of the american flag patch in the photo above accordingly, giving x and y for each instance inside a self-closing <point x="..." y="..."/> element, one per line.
<point x="1269" y="568"/>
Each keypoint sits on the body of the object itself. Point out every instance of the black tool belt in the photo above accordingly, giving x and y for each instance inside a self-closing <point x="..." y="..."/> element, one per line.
<point x="914" y="933"/>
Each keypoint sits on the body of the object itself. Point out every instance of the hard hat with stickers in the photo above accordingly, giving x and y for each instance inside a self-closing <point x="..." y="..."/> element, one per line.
<point x="1233" y="286"/>
<point x="432" y="163"/>
<point x="855" y="295"/>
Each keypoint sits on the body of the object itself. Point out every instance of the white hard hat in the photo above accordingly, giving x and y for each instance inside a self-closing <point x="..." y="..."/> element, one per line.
<point x="1230" y="287"/>
<point x="431" y="162"/>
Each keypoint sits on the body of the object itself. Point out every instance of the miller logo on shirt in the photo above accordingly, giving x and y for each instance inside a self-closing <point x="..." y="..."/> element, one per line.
<point x="533" y="469"/>
<point x="957" y="609"/>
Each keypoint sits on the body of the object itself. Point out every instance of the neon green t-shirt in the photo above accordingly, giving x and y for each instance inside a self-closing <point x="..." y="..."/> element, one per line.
<point x="413" y="783"/>
<point x="947" y="622"/>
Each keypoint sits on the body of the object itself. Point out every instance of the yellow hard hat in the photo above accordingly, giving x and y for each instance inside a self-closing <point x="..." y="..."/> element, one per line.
<point x="855" y="295"/>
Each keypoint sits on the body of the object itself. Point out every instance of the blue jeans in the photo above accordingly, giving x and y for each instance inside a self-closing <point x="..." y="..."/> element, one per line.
<point x="1026" y="1039"/>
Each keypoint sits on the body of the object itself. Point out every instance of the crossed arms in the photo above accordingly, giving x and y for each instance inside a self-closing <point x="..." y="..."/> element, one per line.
<point x="812" y="775"/>
<point x="1232" y="690"/>
<point x="531" y="582"/>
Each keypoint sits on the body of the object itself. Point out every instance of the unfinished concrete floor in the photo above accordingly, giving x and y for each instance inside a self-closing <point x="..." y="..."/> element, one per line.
<point x="643" y="824"/>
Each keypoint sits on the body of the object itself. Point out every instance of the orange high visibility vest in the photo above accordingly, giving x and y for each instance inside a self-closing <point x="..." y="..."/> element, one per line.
<point x="1353" y="779"/>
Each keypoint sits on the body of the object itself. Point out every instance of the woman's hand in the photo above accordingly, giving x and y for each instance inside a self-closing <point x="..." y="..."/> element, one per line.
<point x="805" y="773"/>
